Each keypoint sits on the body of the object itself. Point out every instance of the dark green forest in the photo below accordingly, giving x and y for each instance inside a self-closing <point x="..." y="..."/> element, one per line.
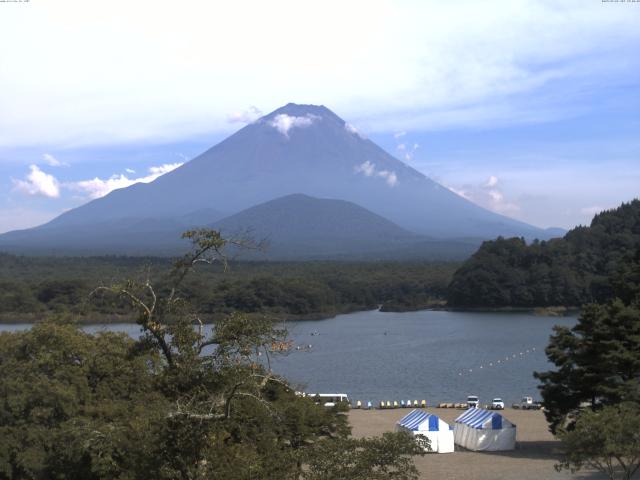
<point x="32" y="288"/>
<point x="584" y="266"/>
<point x="175" y="404"/>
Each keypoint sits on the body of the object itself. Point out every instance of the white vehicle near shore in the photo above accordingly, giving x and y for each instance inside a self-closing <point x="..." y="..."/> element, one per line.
<point x="473" y="401"/>
<point x="331" y="399"/>
<point x="497" y="404"/>
<point x="527" y="403"/>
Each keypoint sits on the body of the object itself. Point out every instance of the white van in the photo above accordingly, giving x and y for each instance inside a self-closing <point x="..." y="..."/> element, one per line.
<point x="331" y="399"/>
<point x="473" y="401"/>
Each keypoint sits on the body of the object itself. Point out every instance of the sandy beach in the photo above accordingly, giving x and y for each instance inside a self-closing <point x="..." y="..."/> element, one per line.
<point x="536" y="453"/>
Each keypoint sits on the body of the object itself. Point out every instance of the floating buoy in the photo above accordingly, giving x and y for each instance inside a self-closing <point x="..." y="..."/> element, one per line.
<point x="511" y="356"/>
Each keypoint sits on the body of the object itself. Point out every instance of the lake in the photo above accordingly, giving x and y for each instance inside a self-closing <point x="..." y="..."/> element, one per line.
<point x="434" y="355"/>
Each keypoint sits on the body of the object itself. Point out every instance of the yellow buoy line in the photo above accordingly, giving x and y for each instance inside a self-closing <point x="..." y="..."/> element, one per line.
<point x="499" y="362"/>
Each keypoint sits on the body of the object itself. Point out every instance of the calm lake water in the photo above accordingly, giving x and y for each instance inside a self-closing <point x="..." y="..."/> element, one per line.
<point x="433" y="355"/>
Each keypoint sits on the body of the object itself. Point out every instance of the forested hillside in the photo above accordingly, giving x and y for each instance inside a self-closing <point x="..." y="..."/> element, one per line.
<point x="583" y="266"/>
<point x="32" y="288"/>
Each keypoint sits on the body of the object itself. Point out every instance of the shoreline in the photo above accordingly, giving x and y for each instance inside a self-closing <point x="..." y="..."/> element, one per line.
<point x="114" y="319"/>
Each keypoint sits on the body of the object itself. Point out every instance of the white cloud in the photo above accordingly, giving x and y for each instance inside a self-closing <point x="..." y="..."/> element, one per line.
<point x="38" y="182"/>
<point x="249" y="115"/>
<point x="492" y="181"/>
<point x="160" y="170"/>
<point x="129" y="170"/>
<point x="98" y="187"/>
<point x="398" y="135"/>
<point x="460" y="192"/>
<point x="283" y="122"/>
<point x="53" y="161"/>
<point x="390" y="177"/>
<point x="351" y="129"/>
<point x="368" y="169"/>
<point x="487" y="194"/>
<point x="407" y="152"/>
<point x="461" y="63"/>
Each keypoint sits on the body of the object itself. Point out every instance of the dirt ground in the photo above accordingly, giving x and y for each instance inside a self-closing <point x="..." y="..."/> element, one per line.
<point x="533" y="459"/>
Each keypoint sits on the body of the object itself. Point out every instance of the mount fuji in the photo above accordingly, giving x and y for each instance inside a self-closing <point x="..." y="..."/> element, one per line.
<point x="295" y="152"/>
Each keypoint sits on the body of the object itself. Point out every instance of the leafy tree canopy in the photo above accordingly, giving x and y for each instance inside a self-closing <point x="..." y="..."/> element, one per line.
<point x="176" y="404"/>
<point x="584" y="266"/>
<point x="598" y="362"/>
<point x="606" y="440"/>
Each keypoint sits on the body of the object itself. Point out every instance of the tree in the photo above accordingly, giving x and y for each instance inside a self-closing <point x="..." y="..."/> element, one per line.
<point x="179" y="403"/>
<point x="574" y="270"/>
<point x="607" y="440"/>
<point x="367" y="458"/>
<point x="75" y="406"/>
<point x="598" y="362"/>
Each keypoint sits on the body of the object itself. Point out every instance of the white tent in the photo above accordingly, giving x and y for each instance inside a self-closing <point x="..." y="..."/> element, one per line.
<point x="438" y="432"/>
<point x="484" y="430"/>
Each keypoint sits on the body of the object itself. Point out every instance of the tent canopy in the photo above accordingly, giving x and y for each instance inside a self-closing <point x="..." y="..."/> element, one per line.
<point x="484" y="430"/>
<point x="424" y="424"/>
<point x="418" y="420"/>
<point x="483" y="419"/>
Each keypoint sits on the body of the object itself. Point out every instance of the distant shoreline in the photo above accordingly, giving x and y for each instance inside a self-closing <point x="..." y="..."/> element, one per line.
<point x="114" y="319"/>
<point x="555" y="311"/>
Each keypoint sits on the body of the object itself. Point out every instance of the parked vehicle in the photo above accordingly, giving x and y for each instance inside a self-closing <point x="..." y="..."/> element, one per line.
<point x="331" y="399"/>
<point x="473" y="401"/>
<point x="527" y="403"/>
<point x="497" y="404"/>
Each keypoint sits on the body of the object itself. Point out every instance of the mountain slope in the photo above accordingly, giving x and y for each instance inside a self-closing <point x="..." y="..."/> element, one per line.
<point x="296" y="149"/>
<point x="299" y="227"/>
<point x="122" y="236"/>
<point x="588" y="264"/>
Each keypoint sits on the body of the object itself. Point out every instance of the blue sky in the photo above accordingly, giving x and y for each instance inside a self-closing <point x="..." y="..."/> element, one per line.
<point x="528" y="108"/>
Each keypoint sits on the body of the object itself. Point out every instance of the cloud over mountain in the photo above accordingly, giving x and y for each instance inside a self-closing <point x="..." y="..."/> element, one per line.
<point x="99" y="187"/>
<point x="283" y="122"/>
<point x="368" y="169"/>
<point x="38" y="182"/>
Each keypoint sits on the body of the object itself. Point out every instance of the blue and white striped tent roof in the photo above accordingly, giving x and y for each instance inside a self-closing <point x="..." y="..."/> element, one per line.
<point x="483" y="419"/>
<point x="418" y="420"/>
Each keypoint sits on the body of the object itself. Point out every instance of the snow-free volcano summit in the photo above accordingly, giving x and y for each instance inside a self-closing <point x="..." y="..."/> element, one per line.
<point x="297" y="149"/>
